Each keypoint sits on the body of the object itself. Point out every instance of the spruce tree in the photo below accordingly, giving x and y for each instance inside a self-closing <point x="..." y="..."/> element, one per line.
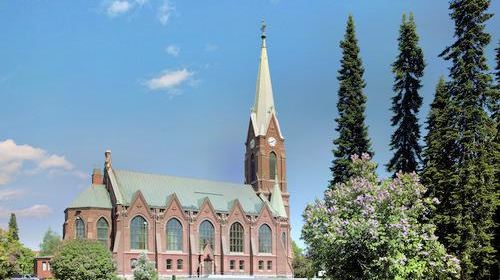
<point x="408" y="70"/>
<point x="13" y="229"/>
<point x="467" y="224"/>
<point x="353" y="133"/>
<point x="439" y="155"/>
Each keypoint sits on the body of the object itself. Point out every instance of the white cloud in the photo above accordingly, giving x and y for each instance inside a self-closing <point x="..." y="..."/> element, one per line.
<point x="169" y="79"/>
<point x="13" y="156"/>
<point x="119" y="7"/>
<point x="55" y="161"/>
<point x="10" y="194"/>
<point x="35" y="211"/>
<point x="173" y="50"/>
<point x="141" y="2"/>
<point x="164" y="12"/>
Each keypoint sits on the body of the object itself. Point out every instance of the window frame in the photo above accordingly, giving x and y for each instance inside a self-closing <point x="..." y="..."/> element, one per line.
<point x="168" y="264"/>
<point x="265" y="242"/>
<point x="78" y="230"/>
<point x="236" y="238"/>
<point x="202" y="233"/>
<point x="104" y="241"/>
<point x="273" y="165"/>
<point x="144" y="234"/>
<point x="179" y="235"/>
<point x="180" y="264"/>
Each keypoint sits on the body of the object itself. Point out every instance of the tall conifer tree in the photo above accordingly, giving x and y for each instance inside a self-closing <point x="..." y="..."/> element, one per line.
<point x="353" y="133"/>
<point x="408" y="70"/>
<point x="467" y="224"/>
<point x="13" y="229"/>
<point x="439" y="157"/>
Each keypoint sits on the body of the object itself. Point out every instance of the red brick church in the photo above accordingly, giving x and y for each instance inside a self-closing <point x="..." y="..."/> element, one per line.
<point x="192" y="227"/>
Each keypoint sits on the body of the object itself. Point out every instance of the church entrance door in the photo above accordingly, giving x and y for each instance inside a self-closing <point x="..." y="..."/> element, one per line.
<point x="208" y="267"/>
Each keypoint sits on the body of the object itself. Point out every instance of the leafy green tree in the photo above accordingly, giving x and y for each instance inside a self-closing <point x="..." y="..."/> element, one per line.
<point x="367" y="229"/>
<point x="466" y="224"/>
<point x="302" y="265"/>
<point x="51" y="241"/>
<point x="83" y="259"/>
<point x="353" y="133"/>
<point x="408" y="70"/>
<point x="6" y="268"/>
<point x="144" y="269"/>
<point x="14" y="257"/>
<point x="13" y="229"/>
<point x="25" y="260"/>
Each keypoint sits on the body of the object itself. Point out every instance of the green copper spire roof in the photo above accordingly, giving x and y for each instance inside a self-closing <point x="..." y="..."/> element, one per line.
<point x="95" y="196"/>
<point x="277" y="200"/>
<point x="263" y="110"/>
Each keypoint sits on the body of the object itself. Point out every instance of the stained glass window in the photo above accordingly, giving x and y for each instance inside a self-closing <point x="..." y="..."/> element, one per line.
<point x="138" y="233"/>
<point x="174" y="235"/>
<point x="236" y="234"/>
<point x="265" y="239"/>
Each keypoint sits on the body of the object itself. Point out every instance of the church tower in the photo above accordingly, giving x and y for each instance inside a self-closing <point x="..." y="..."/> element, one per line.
<point x="265" y="146"/>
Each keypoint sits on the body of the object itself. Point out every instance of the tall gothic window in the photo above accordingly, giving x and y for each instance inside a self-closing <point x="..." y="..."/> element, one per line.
<point x="207" y="234"/>
<point x="272" y="165"/>
<point x="138" y="233"/>
<point x="253" y="169"/>
<point x="265" y="239"/>
<point x="79" y="228"/>
<point x="236" y="234"/>
<point x="174" y="235"/>
<point x="102" y="231"/>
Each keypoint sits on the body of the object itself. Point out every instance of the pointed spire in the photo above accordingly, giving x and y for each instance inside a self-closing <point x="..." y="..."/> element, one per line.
<point x="277" y="200"/>
<point x="263" y="108"/>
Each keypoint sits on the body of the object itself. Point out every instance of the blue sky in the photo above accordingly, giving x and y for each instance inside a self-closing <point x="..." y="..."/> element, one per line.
<point x="168" y="86"/>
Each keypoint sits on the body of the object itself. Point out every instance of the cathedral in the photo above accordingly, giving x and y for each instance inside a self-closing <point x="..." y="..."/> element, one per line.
<point x="192" y="227"/>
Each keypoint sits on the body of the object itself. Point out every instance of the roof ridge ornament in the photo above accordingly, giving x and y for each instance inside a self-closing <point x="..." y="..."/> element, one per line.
<point x="107" y="159"/>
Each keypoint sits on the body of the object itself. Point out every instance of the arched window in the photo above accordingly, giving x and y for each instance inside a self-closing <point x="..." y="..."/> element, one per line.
<point x="265" y="239"/>
<point x="236" y="234"/>
<point x="253" y="168"/>
<point x="174" y="235"/>
<point x="138" y="233"/>
<point x="272" y="165"/>
<point x="79" y="228"/>
<point x="180" y="264"/>
<point x="206" y="234"/>
<point x="102" y="231"/>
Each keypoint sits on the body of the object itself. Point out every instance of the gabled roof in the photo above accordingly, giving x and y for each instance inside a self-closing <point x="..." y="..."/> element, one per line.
<point x="263" y="109"/>
<point x="191" y="193"/>
<point x="94" y="196"/>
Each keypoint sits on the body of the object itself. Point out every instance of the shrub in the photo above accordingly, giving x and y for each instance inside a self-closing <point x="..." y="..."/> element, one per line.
<point x="82" y="259"/>
<point x="144" y="269"/>
<point x="367" y="229"/>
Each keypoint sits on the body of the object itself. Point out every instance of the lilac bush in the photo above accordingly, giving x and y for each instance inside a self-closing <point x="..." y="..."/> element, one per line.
<point x="368" y="229"/>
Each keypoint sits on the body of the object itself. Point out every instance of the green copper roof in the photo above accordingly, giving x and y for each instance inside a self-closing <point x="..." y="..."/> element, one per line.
<point x="93" y="196"/>
<point x="191" y="193"/>
<point x="277" y="201"/>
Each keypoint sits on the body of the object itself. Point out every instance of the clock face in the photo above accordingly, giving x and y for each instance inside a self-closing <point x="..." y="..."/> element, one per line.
<point x="252" y="143"/>
<point x="271" y="141"/>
